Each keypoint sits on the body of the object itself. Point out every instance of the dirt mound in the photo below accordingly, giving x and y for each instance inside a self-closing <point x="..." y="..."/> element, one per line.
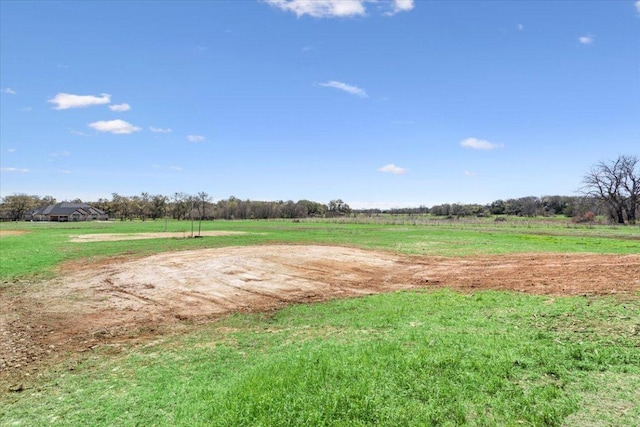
<point x="128" y="299"/>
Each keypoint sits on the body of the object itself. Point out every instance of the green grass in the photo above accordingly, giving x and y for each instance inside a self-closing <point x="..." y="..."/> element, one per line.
<point x="407" y="358"/>
<point x="46" y="245"/>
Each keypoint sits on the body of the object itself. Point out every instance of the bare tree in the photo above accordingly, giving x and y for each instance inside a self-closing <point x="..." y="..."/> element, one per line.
<point x="631" y="185"/>
<point x="203" y="198"/>
<point x="617" y="184"/>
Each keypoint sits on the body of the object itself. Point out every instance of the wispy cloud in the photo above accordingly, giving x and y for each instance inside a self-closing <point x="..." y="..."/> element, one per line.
<point x="175" y="168"/>
<point x="160" y="130"/>
<point x="65" y="101"/>
<point x="340" y="8"/>
<point x="114" y="126"/>
<point x="26" y="109"/>
<point x="65" y="171"/>
<point x="11" y="150"/>
<point x="638" y="6"/>
<point x="61" y="154"/>
<point x="77" y="132"/>
<point x="11" y="169"/>
<point x="195" y="138"/>
<point x="588" y="39"/>
<point x="391" y="168"/>
<point x="470" y="173"/>
<point x="520" y="27"/>
<point x="479" y="144"/>
<point x="353" y="90"/>
<point x="120" y="107"/>
<point x="8" y="91"/>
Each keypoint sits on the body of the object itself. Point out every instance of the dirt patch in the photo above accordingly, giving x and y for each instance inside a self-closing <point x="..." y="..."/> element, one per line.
<point x="5" y="233"/>
<point x="114" y="237"/>
<point x="121" y="299"/>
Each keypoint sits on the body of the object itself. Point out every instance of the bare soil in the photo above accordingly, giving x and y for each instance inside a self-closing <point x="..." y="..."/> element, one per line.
<point x="5" y="233"/>
<point x="114" y="237"/>
<point x="134" y="300"/>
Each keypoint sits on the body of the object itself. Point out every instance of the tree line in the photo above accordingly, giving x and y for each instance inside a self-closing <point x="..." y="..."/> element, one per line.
<point x="182" y="206"/>
<point x="610" y="189"/>
<point x="531" y="206"/>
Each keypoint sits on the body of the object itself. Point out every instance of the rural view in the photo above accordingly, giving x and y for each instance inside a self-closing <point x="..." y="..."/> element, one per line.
<point x="434" y="220"/>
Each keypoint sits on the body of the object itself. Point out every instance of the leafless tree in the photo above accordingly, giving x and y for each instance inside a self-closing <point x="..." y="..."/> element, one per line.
<point x="203" y="198"/>
<point x="617" y="184"/>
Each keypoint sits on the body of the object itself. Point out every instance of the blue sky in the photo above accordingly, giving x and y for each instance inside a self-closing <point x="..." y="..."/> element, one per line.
<point x="380" y="103"/>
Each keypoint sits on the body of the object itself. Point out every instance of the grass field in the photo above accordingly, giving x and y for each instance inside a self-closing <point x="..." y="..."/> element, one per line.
<point x="45" y="245"/>
<point x="439" y="358"/>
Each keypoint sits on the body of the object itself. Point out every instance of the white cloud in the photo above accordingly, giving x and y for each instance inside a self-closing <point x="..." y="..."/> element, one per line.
<point x="26" y="109"/>
<point x="586" y="39"/>
<point x="353" y="90"/>
<point x="520" y="27"/>
<point x="391" y="168"/>
<point x="479" y="144"/>
<point x="120" y="107"/>
<point x="321" y="8"/>
<point x="470" y="173"/>
<point x="175" y="168"/>
<point x="114" y="126"/>
<point x="65" y="171"/>
<point x="401" y="6"/>
<point x="8" y="91"/>
<point x="638" y="6"/>
<point x="11" y="150"/>
<point x="160" y="130"/>
<point x="340" y="8"/>
<point x="195" y="138"/>
<point x="65" y="101"/>
<point x="21" y="170"/>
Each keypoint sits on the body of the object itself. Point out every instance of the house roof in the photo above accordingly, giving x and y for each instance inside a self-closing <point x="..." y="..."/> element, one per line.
<point x="67" y="208"/>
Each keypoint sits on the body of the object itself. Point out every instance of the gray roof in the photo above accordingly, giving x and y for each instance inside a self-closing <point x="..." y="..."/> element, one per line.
<point x="67" y="208"/>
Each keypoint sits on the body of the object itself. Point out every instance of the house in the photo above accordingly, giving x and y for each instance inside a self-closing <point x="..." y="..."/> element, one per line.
<point x="66" y="212"/>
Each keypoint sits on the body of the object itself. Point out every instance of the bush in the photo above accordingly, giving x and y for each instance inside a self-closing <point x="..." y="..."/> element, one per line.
<point x="587" y="217"/>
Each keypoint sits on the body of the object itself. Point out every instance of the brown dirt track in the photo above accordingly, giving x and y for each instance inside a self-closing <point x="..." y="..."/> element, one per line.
<point x="134" y="299"/>
<point x="4" y="233"/>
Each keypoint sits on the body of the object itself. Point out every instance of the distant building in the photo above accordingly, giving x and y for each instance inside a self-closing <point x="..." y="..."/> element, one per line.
<point x="66" y="212"/>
